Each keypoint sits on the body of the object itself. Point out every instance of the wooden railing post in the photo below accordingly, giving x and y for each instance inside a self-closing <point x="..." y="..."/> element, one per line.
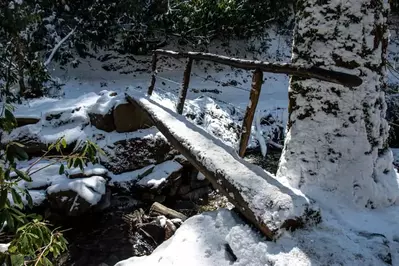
<point x="184" y="88"/>
<point x="256" y="86"/>
<point x="153" y="73"/>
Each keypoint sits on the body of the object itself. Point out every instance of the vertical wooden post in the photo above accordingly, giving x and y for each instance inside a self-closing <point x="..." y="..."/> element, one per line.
<point x="153" y="73"/>
<point x="256" y="86"/>
<point x="183" y="90"/>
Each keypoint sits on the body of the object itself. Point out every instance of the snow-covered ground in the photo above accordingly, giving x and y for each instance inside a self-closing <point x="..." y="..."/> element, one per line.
<point x="221" y="238"/>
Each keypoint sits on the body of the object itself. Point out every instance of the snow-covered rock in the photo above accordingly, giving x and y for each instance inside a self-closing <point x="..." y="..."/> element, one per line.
<point x="160" y="175"/>
<point x="74" y="197"/>
<point x="128" y="118"/>
<point x="146" y="147"/>
<point x="103" y="122"/>
<point x="57" y="119"/>
<point x="101" y="113"/>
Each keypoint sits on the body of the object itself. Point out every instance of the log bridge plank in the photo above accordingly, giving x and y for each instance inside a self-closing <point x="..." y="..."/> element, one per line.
<point x="257" y="195"/>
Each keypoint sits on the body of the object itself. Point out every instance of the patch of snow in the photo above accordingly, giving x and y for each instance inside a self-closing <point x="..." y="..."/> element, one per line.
<point x="62" y="118"/>
<point x="106" y="102"/>
<point x="162" y="220"/>
<point x="91" y="189"/>
<point x="259" y="135"/>
<point x="201" y="176"/>
<point x="219" y="119"/>
<point x="160" y="174"/>
<point x="126" y="178"/>
<point x="176" y="220"/>
<point x="395" y="154"/>
<point x="38" y="197"/>
<point x="90" y="170"/>
<point x="47" y="176"/>
<point x="39" y="108"/>
<point x="64" y="198"/>
<point x="4" y="247"/>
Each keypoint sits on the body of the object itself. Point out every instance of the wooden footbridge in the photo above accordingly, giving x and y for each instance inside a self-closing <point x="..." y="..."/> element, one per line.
<point x="262" y="200"/>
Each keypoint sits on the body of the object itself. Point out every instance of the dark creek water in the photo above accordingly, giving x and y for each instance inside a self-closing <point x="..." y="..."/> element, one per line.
<point x="105" y="238"/>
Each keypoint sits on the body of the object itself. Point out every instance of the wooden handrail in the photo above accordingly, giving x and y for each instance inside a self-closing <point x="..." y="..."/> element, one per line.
<point x="280" y="68"/>
<point x="259" y="67"/>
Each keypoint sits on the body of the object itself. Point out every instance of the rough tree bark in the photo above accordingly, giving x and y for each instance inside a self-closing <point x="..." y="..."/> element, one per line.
<point x="337" y="135"/>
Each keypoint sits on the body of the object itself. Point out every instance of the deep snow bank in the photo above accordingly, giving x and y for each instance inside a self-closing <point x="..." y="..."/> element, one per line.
<point x="220" y="238"/>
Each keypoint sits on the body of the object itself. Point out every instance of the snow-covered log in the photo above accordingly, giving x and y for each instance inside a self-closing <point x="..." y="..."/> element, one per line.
<point x="300" y="70"/>
<point x="337" y="135"/>
<point x="257" y="195"/>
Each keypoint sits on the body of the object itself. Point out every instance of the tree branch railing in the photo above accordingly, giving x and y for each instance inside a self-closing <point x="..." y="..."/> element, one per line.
<point x="259" y="67"/>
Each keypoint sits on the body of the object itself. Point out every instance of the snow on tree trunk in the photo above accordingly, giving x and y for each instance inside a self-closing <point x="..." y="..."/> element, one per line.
<point x="337" y="135"/>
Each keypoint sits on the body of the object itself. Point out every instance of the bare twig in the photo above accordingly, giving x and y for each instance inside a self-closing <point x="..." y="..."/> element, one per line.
<point x="45" y="248"/>
<point x="42" y="157"/>
<point x="274" y="144"/>
<point x="48" y="61"/>
<point x="44" y="167"/>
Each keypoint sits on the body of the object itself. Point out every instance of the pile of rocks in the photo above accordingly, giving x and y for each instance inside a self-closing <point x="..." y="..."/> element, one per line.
<point x="169" y="182"/>
<point x="183" y="183"/>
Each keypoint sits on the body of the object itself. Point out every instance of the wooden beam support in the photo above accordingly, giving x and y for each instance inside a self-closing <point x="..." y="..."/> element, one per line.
<point x="278" y="68"/>
<point x="256" y="86"/>
<point x="153" y="73"/>
<point x="184" y="88"/>
<point x="257" y="195"/>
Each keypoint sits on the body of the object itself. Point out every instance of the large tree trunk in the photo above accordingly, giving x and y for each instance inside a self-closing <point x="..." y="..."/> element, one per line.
<point x="337" y="135"/>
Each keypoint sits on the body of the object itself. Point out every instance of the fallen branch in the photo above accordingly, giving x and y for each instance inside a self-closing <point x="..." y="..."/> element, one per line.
<point x="167" y="212"/>
<point x="55" y="49"/>
<point x="275" y="145"/>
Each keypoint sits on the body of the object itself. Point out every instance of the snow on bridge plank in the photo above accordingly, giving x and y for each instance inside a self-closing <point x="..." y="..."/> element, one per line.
<point x="256" y="194"/>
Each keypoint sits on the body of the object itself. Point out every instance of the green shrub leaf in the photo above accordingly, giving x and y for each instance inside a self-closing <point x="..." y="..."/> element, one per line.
<point x="23" y="175"/>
